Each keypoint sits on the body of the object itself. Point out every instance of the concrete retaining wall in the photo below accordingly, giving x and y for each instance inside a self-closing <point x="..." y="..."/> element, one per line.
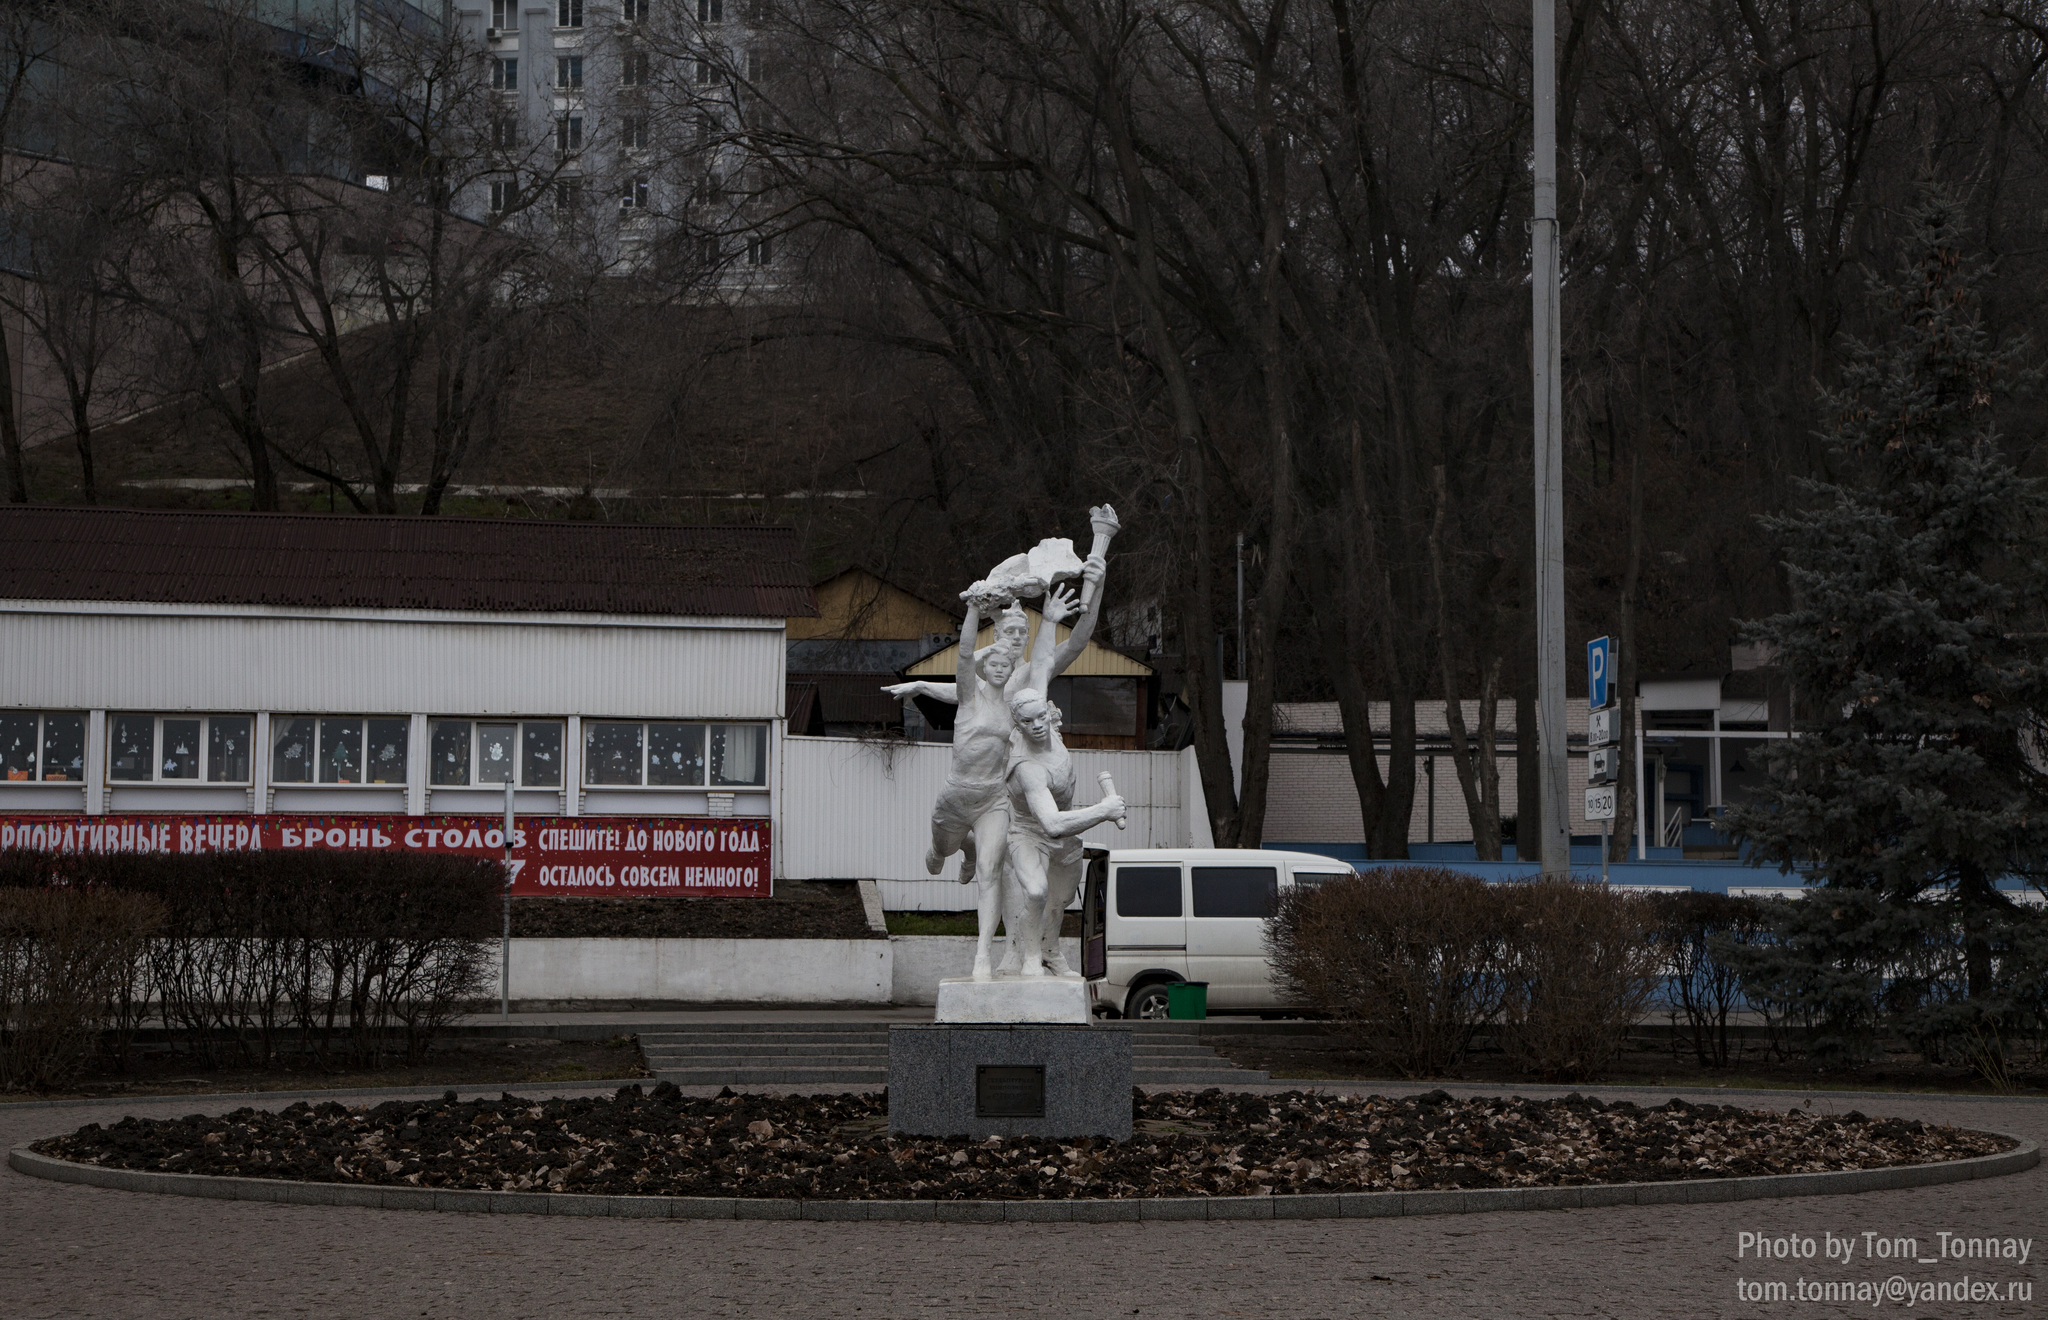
<point x="704" y="971"/>
<point x="920" y="960"/>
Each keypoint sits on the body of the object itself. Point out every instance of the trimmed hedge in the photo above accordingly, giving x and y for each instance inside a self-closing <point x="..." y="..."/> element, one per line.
<point x="354" y="956"/>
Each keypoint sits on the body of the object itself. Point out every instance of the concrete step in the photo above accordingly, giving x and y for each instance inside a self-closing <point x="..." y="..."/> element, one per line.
<point x="773" y="1076"/>
<point x="766" y="1044"/>
<point x="1197" y="1076"/>
<point x="726" y="1040"/>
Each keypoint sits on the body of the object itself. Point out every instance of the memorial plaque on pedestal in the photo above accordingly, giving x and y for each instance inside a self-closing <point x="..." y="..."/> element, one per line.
<point x="1014" y="1080"/>
<point x="1009" y="1090"/>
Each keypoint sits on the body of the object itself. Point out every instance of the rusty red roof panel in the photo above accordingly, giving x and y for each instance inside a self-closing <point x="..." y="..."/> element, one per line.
<point x="326" y="561"/>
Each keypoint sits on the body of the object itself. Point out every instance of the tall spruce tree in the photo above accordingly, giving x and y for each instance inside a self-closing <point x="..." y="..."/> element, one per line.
<point x="1915" y="657"/>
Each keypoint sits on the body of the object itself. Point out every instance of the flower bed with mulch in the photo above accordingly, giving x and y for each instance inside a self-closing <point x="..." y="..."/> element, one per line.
<point x="837" y="1146"/>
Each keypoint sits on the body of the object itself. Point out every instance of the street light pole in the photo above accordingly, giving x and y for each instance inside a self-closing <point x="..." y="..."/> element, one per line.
<point x="1549" y="455"/>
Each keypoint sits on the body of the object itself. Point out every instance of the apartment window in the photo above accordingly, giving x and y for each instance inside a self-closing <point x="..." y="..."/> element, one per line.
<point x="707" y="128"/>
<point x="504" y="195"/>
<point x="170" y="749"/>
<point x="633" y="132"/>
<point x="568" y="194"/>
<point x="470" y="753"/>
<point x="753" y="64"/>
<point x="671" y="754"/>
<point x="636" y="195"/>
<point x="568" y="135"/>
<point x="569" y="71"/>
<point x="504" y="134"/>
<point x="633" y="69"/>
<point x="710" y="11"/>
<point x="505" y="75"/>
<point x="707" y="249"/>
<point x="338" y="749"/>
<point x="504" y="14"/>
<point x="42" y="745"/>
<point x="757" y="251"/>
<point x="703" y="73"/>
<point x="633" y="11"/>
<point x="569" y="13"/>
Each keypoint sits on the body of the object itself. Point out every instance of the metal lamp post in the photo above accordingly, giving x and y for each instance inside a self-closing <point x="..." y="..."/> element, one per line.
<point x="1549" y="457"/>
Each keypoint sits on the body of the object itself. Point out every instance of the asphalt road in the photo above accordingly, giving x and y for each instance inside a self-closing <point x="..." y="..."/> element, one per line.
<point x="82" y="1251"/>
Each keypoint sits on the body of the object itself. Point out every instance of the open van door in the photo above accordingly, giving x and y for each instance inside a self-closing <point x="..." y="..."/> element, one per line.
<point x="1094" y="935"/>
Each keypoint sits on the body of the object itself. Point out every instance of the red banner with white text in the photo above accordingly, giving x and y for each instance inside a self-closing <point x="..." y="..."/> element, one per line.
<point x="600" y="856"/>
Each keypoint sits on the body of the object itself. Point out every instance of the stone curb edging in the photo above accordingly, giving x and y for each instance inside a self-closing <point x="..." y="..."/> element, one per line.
<point x="1336" y="1205"/>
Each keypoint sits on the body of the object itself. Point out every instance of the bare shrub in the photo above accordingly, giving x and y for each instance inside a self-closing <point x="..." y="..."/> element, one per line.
<point x="1406" y="958"/>
<point x="346" y="954"/>
<point x="1701" y="985"/>
<point x="1581" y="965"/>
<point x="65" y="957"/>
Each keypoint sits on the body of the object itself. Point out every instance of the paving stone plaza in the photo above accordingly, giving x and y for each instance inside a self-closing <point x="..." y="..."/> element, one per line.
<point x="82" y="1251"/>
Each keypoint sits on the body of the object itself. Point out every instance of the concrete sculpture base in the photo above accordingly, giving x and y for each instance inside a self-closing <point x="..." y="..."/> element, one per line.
<point x="1038" y="999"/>
<point x="1022" y="1080"/>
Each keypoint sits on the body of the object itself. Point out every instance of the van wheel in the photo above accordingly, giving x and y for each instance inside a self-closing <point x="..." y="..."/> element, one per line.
<point x="1148" y="1003"/>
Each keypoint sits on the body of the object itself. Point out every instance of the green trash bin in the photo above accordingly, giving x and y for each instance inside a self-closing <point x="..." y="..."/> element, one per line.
<point x="1188" y="1000"/>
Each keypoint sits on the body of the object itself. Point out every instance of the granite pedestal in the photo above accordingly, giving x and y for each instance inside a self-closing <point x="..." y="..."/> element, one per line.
<point x="1011" y="1079"/>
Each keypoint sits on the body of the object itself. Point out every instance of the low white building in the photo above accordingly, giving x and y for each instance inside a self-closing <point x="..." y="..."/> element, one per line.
<point x="228" y="665"/>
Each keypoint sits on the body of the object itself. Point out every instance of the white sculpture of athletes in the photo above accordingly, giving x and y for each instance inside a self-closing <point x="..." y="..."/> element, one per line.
<point x="972" y="814"/>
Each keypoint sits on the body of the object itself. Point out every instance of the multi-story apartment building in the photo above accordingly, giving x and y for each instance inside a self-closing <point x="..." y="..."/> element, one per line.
<point x="637" y="102"/>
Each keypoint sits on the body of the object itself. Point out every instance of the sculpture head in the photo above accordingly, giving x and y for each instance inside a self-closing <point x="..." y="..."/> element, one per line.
<point x="1037" y="718"/>
<point x="996" y="664"/>
<point x="1013" y="627"/>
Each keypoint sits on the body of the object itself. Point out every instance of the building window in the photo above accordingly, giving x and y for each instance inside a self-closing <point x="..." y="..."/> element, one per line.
<point x="569" y="72"/>
<point x="636" y="195"/>
<point x="472" y="753"/>
<point x="672" y="754"/>
<point x="703" y="73"/>
<point x="757" y="251"/>
<point x="633" y="69"/>
<point x="569" y="13"/>
<point x="503" y="13"/>
<point x="504" y="135"/>
<point x="633" y="132"/>
<point x="633" y="11"/>
<point x="505" y="75"/>
<point x="753" y="64"/>
<point x="504" y="195"/>
<point x="568" y="135"/>
<point x="39" y="745"/>
<point x="568" y="194"/>
<point x="338" y="749"/>
<point x="173" y="749"/>
<point x="710" y="11"/>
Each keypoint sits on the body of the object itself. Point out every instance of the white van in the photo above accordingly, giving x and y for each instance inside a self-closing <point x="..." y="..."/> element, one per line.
<point x="1153" y="916"/>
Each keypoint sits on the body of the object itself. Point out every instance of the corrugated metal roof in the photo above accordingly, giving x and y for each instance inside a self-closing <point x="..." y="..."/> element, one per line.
<point x="327" y="561"/>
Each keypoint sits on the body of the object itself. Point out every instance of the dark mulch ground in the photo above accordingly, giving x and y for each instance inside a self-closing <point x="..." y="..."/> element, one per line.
<point x="452" y="1062"/>
<point x="799" y="910"/>
<point x="837" y="1146"/>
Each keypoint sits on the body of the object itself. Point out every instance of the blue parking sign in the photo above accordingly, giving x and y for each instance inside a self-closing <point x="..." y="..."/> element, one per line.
<point x="1599" y="667"/>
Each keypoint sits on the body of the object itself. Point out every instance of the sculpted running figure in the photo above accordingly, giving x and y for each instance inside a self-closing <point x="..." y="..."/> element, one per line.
<point x="1045" y="852"/>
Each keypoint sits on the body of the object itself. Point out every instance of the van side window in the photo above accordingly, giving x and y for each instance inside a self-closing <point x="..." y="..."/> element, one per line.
<point x="1235" y="891"/>
<point x="1148" y="891"/>
<point x="1310" y="879"/>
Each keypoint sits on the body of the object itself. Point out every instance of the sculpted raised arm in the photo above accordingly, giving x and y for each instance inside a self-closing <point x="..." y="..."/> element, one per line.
<point x="1084" y="628"/>
<point x="970" y="628"/>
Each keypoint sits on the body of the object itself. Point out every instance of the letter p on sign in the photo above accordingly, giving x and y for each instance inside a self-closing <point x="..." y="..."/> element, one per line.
<point x="1599" y="668"/>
